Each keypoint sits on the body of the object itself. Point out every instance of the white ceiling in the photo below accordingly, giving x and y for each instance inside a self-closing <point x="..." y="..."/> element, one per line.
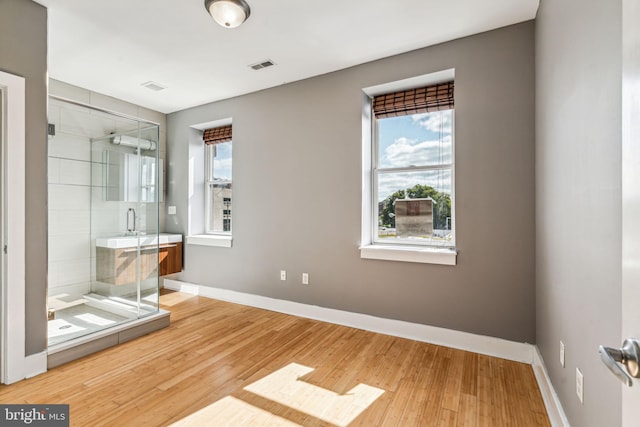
<point x="114" y="46"/>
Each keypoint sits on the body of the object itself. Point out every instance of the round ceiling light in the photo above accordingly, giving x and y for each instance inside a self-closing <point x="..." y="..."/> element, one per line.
<point x="228" y="13"/>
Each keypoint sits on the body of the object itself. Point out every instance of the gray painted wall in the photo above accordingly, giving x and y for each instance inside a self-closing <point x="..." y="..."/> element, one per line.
<point x="23" y="51"/>
<point x="297" y="192"/>
<point x="578" y="199"/>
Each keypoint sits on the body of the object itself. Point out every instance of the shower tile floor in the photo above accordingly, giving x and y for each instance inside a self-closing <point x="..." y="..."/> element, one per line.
<point x="79" y="320"/>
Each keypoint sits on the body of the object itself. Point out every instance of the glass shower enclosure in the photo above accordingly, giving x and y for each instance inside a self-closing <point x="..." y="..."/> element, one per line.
<point x="104" y="193"/>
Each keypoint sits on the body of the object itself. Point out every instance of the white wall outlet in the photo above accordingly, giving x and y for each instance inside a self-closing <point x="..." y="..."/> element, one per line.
<point x="305" y="278"/>
<point x="171" y="210"/>
<point x="283" y="274"/>
<point x="580" y="385"/>
<point x="562" y="354"/>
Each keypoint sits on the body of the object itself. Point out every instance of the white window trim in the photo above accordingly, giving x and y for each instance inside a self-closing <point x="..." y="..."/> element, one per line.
<point x="215" y="240"/>
<point x="196" y="220"/>
<point x="405" y="253"/>
<point x="222" y="235"/>
<point x="369" y="249"/>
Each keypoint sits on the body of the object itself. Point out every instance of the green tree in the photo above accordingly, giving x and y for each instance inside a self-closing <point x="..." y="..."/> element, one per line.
<point x="441" y="206"/>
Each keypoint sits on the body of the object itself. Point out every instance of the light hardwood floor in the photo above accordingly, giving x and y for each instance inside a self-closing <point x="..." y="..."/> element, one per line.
<point x="200" y="371"/>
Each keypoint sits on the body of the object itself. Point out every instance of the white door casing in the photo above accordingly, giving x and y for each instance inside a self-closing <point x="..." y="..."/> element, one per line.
<point x="13" y="358"/>
<point x="630" y="195"/>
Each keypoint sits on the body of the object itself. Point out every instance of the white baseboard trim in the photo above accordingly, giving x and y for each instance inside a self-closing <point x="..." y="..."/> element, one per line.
<point x="35" y="364"/>
<point x="557" y="417"/>
<point x="490" y="346"/>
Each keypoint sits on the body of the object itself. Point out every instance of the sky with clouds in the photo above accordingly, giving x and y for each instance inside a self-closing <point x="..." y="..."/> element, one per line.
<point x="415" y="140"/>
<point x="222" y="166"/>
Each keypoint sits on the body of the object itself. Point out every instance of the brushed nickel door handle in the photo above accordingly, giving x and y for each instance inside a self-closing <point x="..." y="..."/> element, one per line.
<point x="628" y="355"/>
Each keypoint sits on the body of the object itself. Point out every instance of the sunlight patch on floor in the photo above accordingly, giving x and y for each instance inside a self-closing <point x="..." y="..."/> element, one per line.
<point x="230" y="411"/>
<point x="174" y="298"/>
<point x="285" y="387"/>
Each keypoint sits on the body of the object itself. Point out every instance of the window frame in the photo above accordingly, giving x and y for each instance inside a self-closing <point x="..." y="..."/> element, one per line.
<point x="375" y="173"/>
<point x="376" y="250"/>
<point x="208" y="183"/>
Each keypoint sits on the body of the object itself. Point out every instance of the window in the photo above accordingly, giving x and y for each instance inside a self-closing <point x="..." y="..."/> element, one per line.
<point x="413" y="167"/>
<point x="218" y="179"/>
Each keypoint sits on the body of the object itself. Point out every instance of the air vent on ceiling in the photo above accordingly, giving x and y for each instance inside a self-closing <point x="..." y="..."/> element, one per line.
<point x="262" y="64"/>
<point x="156" y="87"/>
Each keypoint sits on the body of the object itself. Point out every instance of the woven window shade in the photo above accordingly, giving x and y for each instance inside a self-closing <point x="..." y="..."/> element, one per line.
<point x="413" y="101"/>
<point x="217" y="135"/>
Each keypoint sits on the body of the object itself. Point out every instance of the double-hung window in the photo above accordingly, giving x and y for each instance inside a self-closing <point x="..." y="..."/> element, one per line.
<point x="218" y="180"/>
<point x="413" y="167"/>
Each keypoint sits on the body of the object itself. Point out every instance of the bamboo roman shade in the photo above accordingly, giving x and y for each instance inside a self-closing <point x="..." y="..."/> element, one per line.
<point x="217" y="135"/>
<point x="412" y="101"/>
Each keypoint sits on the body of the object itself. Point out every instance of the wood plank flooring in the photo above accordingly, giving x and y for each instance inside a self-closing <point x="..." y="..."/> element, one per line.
<point x="195" y="373"/>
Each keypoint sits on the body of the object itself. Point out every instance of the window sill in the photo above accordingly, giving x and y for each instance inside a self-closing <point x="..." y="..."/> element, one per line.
<point x="409" y="254"/>
<point x="217" y="241"/>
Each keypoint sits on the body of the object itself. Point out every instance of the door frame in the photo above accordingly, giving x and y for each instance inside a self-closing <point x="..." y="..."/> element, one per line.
<point x="630" y="194"/>
<point x="13" y="366"/>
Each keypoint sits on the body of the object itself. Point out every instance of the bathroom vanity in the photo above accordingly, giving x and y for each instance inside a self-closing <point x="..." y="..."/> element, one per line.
<point x="117" y="257"/>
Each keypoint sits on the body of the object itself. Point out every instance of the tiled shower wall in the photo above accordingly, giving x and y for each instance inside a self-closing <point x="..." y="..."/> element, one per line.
<point x="69" y="169"/>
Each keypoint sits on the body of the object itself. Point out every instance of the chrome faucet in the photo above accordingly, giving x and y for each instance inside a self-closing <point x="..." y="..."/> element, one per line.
<point x="131" y="221"/>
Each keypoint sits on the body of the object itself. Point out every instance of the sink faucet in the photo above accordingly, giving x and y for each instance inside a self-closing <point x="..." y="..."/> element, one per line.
<point x="131" y="221"/>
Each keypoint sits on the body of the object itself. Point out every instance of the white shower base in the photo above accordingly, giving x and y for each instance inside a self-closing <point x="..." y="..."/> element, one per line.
<point x="79" y="320"/>
<point x="77" y="316"/>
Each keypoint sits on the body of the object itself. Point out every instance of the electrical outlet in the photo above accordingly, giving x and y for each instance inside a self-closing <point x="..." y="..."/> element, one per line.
<point x="305" y="278"/>
<point x="580" y="385"/>
<point x="562" y="354"/>
<point x="283" y="274"/>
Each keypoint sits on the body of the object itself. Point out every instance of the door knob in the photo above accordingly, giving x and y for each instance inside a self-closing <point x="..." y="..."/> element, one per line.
<point x="628" y="355"/>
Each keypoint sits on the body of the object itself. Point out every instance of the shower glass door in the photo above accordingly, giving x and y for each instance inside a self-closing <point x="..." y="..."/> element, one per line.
<point x="104" y="195"/>
<point x="125" y="218"/>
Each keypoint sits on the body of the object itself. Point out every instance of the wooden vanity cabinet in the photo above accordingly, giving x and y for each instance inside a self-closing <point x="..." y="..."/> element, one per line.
<point x="170" y="256"/>
<point x="119" y="266"/>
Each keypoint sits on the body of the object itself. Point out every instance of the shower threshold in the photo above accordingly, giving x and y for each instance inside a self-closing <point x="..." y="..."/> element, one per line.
<point x="118" y="328"/>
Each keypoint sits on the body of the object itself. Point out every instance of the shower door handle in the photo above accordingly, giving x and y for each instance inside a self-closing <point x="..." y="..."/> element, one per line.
<point x="628" y="355"/>
<point x="131" y="218"/>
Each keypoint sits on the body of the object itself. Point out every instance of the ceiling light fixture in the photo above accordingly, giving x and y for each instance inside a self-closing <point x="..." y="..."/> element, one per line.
<point x="228" y="13"/>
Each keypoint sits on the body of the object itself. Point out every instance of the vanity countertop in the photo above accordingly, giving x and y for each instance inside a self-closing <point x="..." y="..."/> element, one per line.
<point x="118" y="242"/>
